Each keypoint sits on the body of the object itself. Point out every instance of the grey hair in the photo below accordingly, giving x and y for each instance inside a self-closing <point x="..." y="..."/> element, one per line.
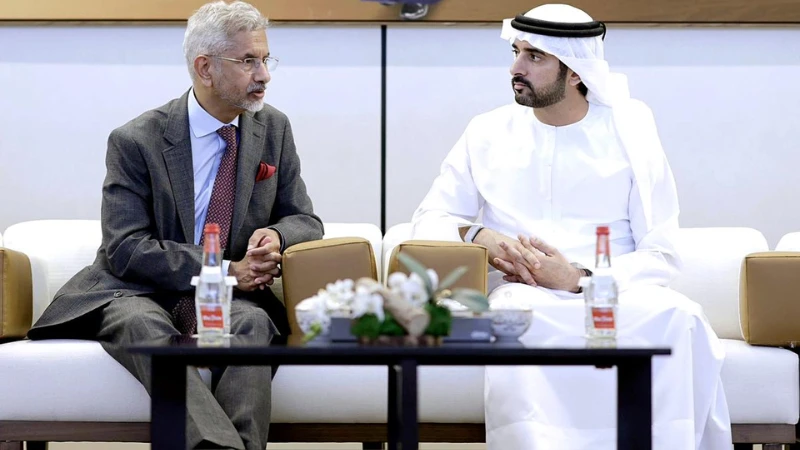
<point x="211" y="28"/>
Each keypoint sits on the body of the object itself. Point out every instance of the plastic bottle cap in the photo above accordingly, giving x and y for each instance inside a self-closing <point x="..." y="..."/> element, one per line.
<point x="211" y="228"/>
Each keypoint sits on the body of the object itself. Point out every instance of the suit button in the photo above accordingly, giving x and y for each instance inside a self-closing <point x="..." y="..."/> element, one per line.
<point x="117" y="294"/>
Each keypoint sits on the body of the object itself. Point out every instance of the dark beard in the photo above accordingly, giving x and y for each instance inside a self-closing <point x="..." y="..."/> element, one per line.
<point x="546" y="96"/>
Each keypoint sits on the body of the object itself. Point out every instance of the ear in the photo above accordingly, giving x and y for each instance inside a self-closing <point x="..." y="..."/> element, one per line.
<point x="573" y="78"/>
<point x="202" y="68"/>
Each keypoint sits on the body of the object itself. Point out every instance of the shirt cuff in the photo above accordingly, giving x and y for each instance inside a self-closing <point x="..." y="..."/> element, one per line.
<point x="283" y="241"/>
<point x="225" y="266"/>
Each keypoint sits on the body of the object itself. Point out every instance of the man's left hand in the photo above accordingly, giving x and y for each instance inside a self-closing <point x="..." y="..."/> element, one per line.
<point x="555" y="271"/>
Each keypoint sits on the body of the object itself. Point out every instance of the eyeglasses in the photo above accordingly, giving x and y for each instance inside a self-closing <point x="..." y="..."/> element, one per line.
<point x="252" y="64"/>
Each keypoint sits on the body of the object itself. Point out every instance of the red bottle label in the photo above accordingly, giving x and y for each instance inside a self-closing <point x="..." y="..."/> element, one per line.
<point x="603" y="318"/>
<point x="211" y="316"/>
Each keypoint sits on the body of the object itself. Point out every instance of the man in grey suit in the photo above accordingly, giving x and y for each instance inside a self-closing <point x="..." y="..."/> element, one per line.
<point x="216" y="154"/>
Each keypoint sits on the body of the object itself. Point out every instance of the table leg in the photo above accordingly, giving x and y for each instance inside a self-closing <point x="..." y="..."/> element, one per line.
<point x="168" y="405"/>
<point x="409" y="410"/>
<point x="634" y="404"/>
<point x="393" y="413"/>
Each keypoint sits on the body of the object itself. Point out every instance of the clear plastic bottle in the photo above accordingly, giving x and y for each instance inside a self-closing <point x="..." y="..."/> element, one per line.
<point x="600" y="292"/>
<point x="211" y="292"/>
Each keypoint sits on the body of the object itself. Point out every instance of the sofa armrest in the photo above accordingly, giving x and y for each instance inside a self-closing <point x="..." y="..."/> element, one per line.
<point x="16" y="294"/>
<point x="768" y="294"/>
<point x="446" y="256"/>
<point x="310" y="266"/>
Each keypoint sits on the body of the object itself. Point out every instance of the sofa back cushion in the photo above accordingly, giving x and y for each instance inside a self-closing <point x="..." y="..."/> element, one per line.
<point x="58" y="249"/>
<point x="712" y="259"/>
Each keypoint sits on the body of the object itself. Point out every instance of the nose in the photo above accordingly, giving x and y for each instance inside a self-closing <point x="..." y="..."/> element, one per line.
<point x="261" y="74"/>
<point x="517" y="67"/>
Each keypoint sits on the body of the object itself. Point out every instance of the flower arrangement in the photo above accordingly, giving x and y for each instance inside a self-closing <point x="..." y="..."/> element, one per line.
<point x="412" y="309"/>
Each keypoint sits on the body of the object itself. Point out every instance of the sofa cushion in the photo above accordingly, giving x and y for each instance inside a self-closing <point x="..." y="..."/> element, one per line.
<point x="89" y="385"/>
<point x="790" y="242"/>
<point x="310" y="266"/>
<point x="712" y="259"/>
<point x="445" y="257"/>
<point x="16" y="299"/>
<point x="57" y="249"/>
<point x="67" y="380"/>
<point x="761" y="383"/>
<point x="446" y="394"/>
<point x="768" y="298"/>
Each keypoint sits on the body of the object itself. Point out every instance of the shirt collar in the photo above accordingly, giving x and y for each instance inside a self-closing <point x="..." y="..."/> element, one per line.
<point x="201" y="122"/>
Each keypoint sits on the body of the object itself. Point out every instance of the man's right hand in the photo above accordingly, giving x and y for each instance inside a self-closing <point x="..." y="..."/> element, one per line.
<point x="505" y="249"/>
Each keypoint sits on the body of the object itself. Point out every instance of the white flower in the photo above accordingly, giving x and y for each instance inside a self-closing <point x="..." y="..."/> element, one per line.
<point x="366" y="302"/>
<point x="410" y="288"/>
<point x="315" y="307"/>
<point x="339" y="295"/>
<point x="396" y="280"/>
<point x="413" y="290"/>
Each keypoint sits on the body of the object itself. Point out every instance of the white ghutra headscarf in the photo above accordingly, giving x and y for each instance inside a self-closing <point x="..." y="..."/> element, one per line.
<point x="584" y="55"/>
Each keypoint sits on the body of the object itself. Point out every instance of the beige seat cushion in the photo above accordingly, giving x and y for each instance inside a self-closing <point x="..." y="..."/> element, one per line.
<point x="444" y="257"/>
<point x="768" y="306"/>
<point x="310" y="266"/>
<point x="16" y="295"/>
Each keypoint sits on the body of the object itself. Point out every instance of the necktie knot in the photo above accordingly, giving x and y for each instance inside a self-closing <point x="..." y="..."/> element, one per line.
<point x="228" y="134"/>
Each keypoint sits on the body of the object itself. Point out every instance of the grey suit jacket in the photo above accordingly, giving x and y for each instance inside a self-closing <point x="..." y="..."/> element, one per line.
<point x="147" y="214"/>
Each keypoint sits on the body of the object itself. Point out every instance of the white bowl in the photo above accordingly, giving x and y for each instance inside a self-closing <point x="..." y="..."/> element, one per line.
<point x="509" y="324"/>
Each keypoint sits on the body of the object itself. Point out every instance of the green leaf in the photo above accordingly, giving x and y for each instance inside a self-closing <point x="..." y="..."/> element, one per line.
<point x="441" y="320"/>
<point x="316" y="330"/>
<point x="416" y="267"/>
<point x="453" y="277"/>
<point x="367" y="325"/>
<point x="391" y="327"/>
<point x="474" y="300"/>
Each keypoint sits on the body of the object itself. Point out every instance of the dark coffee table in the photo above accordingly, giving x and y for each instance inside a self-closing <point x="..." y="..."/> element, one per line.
<point x="171" y="356"/>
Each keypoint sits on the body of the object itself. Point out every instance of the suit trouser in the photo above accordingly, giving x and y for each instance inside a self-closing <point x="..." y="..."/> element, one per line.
<point x="235" y="413"/>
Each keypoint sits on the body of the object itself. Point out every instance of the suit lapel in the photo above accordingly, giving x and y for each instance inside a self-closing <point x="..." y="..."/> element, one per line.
<point x="178" y="159"/>
<point x="251" y="145"/>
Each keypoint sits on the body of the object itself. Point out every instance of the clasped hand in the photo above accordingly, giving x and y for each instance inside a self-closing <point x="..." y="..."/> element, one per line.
<point x="260" y="266"/>
<point x="529" y="260"/>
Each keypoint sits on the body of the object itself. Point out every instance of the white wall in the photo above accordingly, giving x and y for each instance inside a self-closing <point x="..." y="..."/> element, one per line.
<point x="723" y="99"/>
<point x="65" y="88"/>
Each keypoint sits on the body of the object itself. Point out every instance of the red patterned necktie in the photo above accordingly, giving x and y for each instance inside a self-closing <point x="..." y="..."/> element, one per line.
<point x="220" y="211"/>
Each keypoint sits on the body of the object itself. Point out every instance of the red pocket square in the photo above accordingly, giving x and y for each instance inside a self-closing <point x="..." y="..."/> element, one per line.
<point x="265" y="171"/>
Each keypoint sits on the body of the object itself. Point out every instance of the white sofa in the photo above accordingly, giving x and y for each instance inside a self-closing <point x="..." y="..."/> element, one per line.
<point x="51" y="387"/>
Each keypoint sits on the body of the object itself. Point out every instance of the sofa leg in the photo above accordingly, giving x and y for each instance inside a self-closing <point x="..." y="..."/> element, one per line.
<point x="742" y="446"/>
<point x="10" y="445"/>
<point x="38" y="445"/>
<point x="367" y="446"/>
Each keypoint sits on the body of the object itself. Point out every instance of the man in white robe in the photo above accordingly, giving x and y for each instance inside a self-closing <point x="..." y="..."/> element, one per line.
<point x="574" y="152"/>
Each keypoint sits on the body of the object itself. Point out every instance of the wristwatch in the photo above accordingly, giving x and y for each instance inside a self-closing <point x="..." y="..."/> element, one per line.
<point x="586" y="273"/>
<point x="472" y="232"/>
